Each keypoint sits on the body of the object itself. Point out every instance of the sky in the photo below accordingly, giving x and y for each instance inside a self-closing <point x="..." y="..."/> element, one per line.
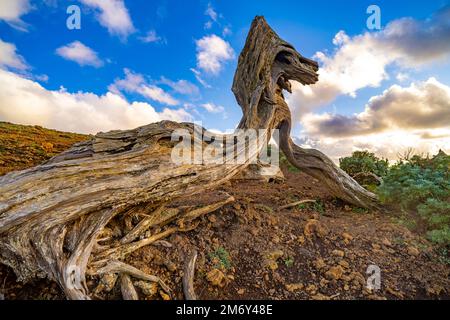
<point x="134" y="62"/>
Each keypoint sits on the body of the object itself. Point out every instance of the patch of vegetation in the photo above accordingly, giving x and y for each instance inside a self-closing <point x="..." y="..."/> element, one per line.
<point x="263" y="207"/>
<point x="443" y="255"/>
<point x="363" y="166"/>
<point x="289" y="262"/>
<point x="422" y="184"/>
<point x="360" y="210"/>
<point x="221" y="258"/>
<point x="285" y="163"/>
<point x="317" y="206"/>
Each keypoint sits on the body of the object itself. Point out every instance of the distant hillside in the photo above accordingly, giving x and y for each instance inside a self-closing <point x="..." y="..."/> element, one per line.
<point x="26" y="146"/>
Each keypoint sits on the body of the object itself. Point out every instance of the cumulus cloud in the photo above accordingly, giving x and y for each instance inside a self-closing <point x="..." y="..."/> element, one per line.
<point x="398" y="119"/>
<point x="113" y="15"/>
<point x="181" y="86"/>
<point x="424" y="105"/>
<point x="388" y="145"/>
<point x="11" y="12"/>
<point x="27" y="102"/>
<point x="81" y="54"/>
<point x="212" y="108"/>
<point x="136" y="83"/>
<point x="361" y="61"/>
<point x="212" y="53"/>
<point x="9" y="58"/>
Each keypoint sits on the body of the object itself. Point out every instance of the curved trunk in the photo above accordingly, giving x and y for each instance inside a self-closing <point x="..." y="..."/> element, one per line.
<point x="74" y="215"/>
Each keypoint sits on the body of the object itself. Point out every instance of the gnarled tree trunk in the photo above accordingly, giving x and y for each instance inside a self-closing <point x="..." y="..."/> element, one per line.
<point x="72" y="215"/>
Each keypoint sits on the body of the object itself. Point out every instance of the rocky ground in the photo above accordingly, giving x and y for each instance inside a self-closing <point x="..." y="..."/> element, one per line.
<point x="252" y="249"/>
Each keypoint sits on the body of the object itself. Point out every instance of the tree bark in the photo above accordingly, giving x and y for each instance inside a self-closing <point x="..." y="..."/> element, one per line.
<point x="71" y="216"/>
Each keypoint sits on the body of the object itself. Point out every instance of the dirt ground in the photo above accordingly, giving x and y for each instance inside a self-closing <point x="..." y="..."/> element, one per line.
<point x="252" y="249"/>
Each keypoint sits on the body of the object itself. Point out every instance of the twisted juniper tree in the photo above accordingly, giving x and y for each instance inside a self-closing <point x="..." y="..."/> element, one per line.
<point x="75" y="216"/>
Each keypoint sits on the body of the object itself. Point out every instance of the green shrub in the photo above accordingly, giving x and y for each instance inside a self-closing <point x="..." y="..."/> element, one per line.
<point x="422" y="184"/>
<point x="364" y="161"/>
<point x="221" y="258"/>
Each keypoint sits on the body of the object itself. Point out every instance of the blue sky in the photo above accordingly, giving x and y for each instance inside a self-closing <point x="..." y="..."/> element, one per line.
<point x="114" y="41"/>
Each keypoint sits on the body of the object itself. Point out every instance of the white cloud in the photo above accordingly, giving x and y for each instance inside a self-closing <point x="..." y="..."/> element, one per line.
<point x="198" y="76"/>
<point x="210" y="12"/>
<point x="135" y="83"/>
<point x="227" y="31"/>
<point x="212" y="53"/>
<point x="151" y="37"/>
<point x="423" y="105"/>
<point x="81" y="54"/>
<point x="416" y="117"/>
<point x="361" y="61"/>
<point x="27" y="102"/>
<point x="113" y="15"/>
<point x="402" y="76"/>
<point x="181" y="86"/>
<point x="212" y="108"/>
<point x="12" y="10"/>
<point x="9" y="58"/>
<point x="387" y="144"/>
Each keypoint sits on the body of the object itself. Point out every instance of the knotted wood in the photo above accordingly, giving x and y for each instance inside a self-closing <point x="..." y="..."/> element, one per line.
<point x="65" y="218"/>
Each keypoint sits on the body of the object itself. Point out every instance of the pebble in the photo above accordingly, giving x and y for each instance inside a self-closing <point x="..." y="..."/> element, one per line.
<point x="413" y="251"/>
<point x="334" y="273"/>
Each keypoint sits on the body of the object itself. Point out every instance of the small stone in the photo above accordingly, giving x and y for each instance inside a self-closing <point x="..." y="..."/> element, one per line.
<point x="323" y="282"/>
<point x="276" y="239"/>
<point x="339" y="253"/>
<point x="294" y="287"/>
<point x="346" y="287"/>
<point x="376" y="246"/>
<point x="334" y="273"/>
<point x="274" y="255"/>
<point x="314" y="227"/>
<point x="149" y="289"/>
<point x="413" y="251"/>
<point x="347" y="237"/>
<point x="216" y="278"/>
<point x="386" y="242"/>
<point x="320" y="297"/>
<point x="164" y="295"/>
<point x="241" y="292"/>
<point x="301" y="240"/>
<point x="271" y="264"/>
<point x="311" y="289"/>
<point x="320" y="264"/>
<point x="212" y="218"/>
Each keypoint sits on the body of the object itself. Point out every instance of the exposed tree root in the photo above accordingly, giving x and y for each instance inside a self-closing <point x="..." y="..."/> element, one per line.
<point x="127" y="288"/>
<point x="291" y="205"/>
<point x="188" y="277"/>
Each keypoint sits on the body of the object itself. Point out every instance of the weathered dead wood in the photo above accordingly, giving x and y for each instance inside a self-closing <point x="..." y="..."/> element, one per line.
<point x="115" y="266"/>
<point x="53" y="216"/>
<point x="127" y="288"/>
<point x="188" y="277"/>
<point x="294" y="204"/>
